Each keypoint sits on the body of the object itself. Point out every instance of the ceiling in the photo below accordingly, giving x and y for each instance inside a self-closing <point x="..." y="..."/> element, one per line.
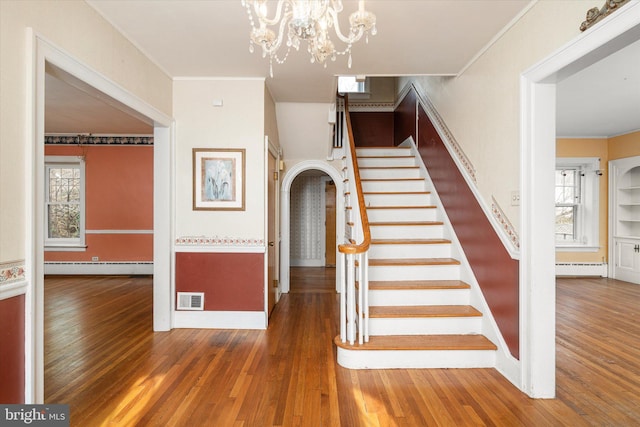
<point x="211" y="39"/>
<point x="602" y="100"/>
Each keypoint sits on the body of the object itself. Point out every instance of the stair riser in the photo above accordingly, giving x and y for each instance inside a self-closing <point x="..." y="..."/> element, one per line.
<point x="407" y="231"/>
<point x="419" y="297"/>
<point x="389" y="173"/>
<point x="416" y="359"/>
<point x="430" y="272"/>
<point x="391" y="151"/>
<point x="386" y="162"/>
<point x="424" y="214"/>
<point x="389" y="186"/>
<point x="425" y="326"/>
<point x="400" y="199"/>
<point x="436" y="250"/>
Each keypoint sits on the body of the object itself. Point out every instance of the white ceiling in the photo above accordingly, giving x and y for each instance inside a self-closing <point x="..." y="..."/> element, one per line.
<point x="602" y="100"/>
<point x="415" y="37"/>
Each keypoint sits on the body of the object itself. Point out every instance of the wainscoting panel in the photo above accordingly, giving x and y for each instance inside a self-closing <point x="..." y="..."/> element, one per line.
<point x="230" y="281"/>
<point x="12" y="365"/>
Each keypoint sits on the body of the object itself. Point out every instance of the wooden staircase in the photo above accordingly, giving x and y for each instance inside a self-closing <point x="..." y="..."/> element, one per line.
<point x="419" y="308"/>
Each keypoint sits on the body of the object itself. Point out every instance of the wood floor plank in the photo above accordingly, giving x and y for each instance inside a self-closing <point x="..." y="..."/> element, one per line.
<point x="103" y="359"/>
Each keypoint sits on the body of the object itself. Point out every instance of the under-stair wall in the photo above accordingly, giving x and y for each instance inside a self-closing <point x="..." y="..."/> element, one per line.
<point x="496" y="271"/>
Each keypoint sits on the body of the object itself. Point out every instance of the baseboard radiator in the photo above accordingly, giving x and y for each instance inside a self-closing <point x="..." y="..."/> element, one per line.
<point x="99" y="268"/>
<point x="593" y="269"/>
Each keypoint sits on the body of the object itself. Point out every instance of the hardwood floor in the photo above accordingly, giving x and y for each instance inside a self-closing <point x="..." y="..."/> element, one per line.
<point x="102" y="358"/>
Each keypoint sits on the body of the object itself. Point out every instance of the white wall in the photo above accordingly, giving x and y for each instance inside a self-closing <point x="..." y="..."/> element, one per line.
<point x="239" y="123"/>
<point x="481" y="107"/>
<point x="304" y="130"/>
<point x="84" y="34"/>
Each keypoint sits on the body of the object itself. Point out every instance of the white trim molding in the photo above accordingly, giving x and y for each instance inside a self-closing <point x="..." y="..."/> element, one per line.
<point x="99" y="268"/>
<point x="538" y="157"/>
<point x="220" y="319"/>
<point x="285" y="219"/>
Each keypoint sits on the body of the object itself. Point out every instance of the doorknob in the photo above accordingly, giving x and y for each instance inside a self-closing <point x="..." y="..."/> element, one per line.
<point x="271" y="243"/>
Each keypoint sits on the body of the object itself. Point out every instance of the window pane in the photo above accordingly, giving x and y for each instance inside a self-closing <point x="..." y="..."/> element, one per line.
<point x="64" y="184"/>
<point x="349" y="84"/>
<point x="64" y="221"/>
<point x="567" y="186"/>
<point x="565" y="223"/>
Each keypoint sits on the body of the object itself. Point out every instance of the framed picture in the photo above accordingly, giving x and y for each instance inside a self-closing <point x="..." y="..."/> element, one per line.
<point x="218" y="179"/>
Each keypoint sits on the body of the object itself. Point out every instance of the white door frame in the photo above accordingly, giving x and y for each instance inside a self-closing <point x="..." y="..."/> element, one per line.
<point x="537" y="262"/>
<point x="40" y="52"/>
<point x="285" y="219"/>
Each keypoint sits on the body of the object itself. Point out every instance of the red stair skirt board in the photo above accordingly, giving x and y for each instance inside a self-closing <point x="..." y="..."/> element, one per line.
<point x="230" y="281"/>
<point x="496" y="272"/>
<point x="12" y="338"/>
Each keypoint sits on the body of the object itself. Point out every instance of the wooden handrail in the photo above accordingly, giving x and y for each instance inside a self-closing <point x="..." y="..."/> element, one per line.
<point x="366" y="241"/>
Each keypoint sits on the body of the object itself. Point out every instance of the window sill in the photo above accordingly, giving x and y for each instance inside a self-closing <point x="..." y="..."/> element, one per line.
<point x="577" y="248"/>
<point x="65" y="248"/>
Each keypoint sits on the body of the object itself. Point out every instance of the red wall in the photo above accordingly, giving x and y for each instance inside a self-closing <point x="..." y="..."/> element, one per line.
<point x="12" y="363"/>
<point x="372" y="129"/>
<point x="496" y="272"/>
<point x="119" y="196"/>
<point x="404" y="118"/>
<point x="230" y="281"/>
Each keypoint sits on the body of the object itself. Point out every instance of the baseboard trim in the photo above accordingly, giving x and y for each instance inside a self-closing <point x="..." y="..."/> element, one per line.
<point x="99" y="268"/>
<point x="580" y="269"/>
<point x="220" y="319"/>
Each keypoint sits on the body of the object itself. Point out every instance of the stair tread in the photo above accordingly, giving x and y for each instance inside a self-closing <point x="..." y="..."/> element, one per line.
<point x="423" y="311"/>
<point x="411" y="261"/>
<point x="389" y="167"/>
<point x="405" y="156"/>
<point x="401" y="223"/>
<point x="418" y="284"/>
<point x="402" y="207"/>
<point x="409" y="241"/>
<point x="390" y="179"/>
<point x="388" y="193"/>
<point x="421" y="342"/>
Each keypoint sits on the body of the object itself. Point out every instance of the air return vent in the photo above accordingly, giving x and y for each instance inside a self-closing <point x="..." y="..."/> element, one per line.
<point x="190" y="300"/>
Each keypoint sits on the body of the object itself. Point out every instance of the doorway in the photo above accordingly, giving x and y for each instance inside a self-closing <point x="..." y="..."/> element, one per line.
<point x="285" y="216"/>
<point x="537" y="273"/>
<point x="92" y="83"/>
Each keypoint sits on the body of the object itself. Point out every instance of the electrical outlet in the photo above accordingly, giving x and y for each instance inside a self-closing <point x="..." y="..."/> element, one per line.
<point x="515" y="198"/>
<point x="95" y="258"/>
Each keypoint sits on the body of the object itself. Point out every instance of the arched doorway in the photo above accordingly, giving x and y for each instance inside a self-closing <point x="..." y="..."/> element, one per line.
<point x="290" y="176"/>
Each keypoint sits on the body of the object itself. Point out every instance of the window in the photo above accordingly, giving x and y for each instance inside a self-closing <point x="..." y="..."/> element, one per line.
<point x="64" y="203"/>
<point x="356" y="87"/>
<point x="577" y="203"/>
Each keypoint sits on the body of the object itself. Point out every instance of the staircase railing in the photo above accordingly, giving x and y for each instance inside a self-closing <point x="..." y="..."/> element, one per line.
<point x="354" y="321"/>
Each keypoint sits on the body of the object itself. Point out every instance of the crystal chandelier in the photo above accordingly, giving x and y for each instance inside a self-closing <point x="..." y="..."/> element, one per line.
<point x="295" y="21"/>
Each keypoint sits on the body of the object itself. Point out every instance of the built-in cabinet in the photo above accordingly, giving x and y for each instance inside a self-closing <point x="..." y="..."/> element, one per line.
<point x="624" y="228"/>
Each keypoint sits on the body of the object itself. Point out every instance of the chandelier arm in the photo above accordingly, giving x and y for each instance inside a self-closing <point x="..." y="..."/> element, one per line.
<point x="264" y="18"/>
<point x="283" y="25"/>
<point x="337" y="5"/>
<point x="354" y="37"/>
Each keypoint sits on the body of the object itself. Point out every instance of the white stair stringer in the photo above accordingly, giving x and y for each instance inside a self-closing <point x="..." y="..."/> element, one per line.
<point x="413" y="265"/>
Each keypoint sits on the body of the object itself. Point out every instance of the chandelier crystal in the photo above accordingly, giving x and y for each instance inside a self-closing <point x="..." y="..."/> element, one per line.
<point x="310" y="21"/>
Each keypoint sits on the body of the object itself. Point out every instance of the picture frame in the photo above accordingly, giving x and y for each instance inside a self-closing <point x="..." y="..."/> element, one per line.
<point x="218" y="179"/>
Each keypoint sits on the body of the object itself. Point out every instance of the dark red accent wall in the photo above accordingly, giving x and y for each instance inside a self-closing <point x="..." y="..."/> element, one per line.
<point x="230" y="281"/>
<point x="404" y="118"/>
<point x="372" y="129"/>
<point x="493" y="267"/>
<point x="12" y="363"/>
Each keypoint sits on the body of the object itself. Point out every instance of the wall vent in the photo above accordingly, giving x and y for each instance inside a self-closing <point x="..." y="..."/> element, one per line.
<point x="190" y="300"/>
